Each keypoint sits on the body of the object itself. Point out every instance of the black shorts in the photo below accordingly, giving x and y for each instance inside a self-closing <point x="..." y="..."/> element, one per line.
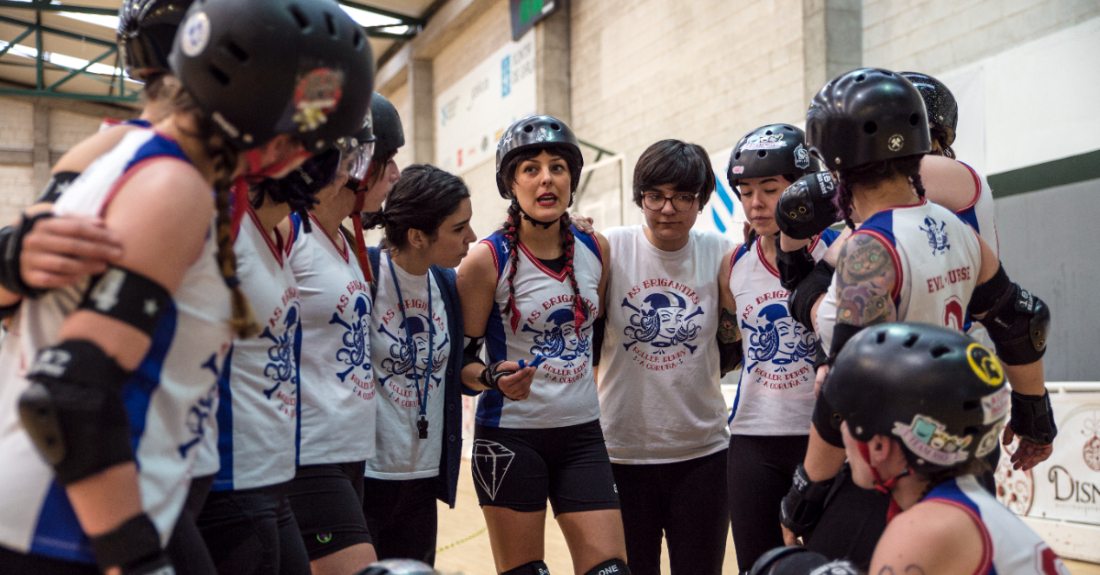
<point x="328" y="504"/>
<point x="520" y="468"/>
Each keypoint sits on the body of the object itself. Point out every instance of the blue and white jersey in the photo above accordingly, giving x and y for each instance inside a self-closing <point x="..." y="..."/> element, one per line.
<point x="980" y="213"/>
<point x="564" y="390"/>
<point x="167" y="398"/>
<point x="936" y="258"/>
<point x="258" y="406"/>
<point x="660" y="391"/>
<point x="337" y="395"/>
<point x="1009" y="547"/>
<point x="409" y="377"/>
<point x="775" y="395"/>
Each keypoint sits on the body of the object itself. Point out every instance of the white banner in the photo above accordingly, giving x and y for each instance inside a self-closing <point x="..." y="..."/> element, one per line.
<point x="1066" y="486"/>
<point x="473" y="114"/>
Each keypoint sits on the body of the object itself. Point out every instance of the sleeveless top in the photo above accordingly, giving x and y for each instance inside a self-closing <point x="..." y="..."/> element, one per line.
<point x="936" y="257"/>
<point x="775" y="395"/>
<point x="1009" y="547"/>
<point x="660" y="396"/>
<point x="168" y="397"/>
<point x="564" y="390"/>
<point x="337" y="395"/>
<point x="258" y="408"/>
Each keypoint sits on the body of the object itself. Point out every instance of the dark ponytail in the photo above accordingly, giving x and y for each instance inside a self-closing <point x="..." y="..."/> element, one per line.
<point x="421" y="199"/>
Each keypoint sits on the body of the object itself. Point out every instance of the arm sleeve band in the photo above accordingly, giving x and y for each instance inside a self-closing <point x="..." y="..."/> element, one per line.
<point x="128" y="297"/>
<point x="73" y="411"/>
<point x="471" y="353"/>
<point x="599" y="328"/>
<point x="804" y="295"/>
<point x="827" y="422"/>
<point x="842" y="332"/>
<point x="730" y="355"/>
<point x="793" y="266"/>
<point x="11" y="249"/>
<point x="1017" y="320"/>
<point x="56" y="186"/>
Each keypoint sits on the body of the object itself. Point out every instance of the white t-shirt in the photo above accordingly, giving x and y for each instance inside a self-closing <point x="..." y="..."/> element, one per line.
<point x="660" y="395"/>
<point x="258" y="411"/>
<point x="337" y="393"/>
<point x="399" y="373"/>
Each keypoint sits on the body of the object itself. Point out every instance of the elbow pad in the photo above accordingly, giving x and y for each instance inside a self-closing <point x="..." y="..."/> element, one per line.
<point x="793" y="266"/>
<point x="804" y="295"/>
<point x="1017" y="320"/>
<point x="471" y="353"/>
<point x="827" y="422"/>
<point x="806" y="208"/>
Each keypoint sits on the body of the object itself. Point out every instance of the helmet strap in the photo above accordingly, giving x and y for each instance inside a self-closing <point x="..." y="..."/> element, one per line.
<point x="523" y="214"/>
<point x="360" y="242"/>
<point x="884" y="487"/>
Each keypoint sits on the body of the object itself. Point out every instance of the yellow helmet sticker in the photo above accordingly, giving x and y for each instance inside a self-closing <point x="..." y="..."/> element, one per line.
<point x="985" y="365"/>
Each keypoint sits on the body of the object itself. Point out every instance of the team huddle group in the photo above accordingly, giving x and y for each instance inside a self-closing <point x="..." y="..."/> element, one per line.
<point x="204" y="370"/>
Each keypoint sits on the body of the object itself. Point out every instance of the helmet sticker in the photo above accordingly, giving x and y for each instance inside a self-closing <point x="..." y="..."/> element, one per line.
<point x="316" y="95"/>
<point x="801" y="158"/>
<point x="985" y="365"/>
<point x="765" y="142"/>
<point x="195" y="34"/>
<point x="995" y="407"/>
<point x="929" y="440"/>
<point x="989" y="441"/>
<point x="895" y="142"/>
<point x="739" y="169"/>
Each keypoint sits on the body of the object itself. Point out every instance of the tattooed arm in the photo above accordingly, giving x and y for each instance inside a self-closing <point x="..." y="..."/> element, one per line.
<point x="865" y="279"/>
<point x="929" y="538"/>
<point x="729" y="337"/>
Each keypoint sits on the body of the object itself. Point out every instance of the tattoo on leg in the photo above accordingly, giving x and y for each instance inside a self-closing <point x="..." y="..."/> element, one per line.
<point x="865" y="278"/>
<point x="727" y="327"/>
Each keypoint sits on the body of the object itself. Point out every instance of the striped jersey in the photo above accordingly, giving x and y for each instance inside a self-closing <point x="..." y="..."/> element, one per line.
<point x="258" y="389"/>
<point x="775" y="395"/>
<point x="544" y="330"/>
<point x="337" y="396"/>
<point x="168" y="397"/>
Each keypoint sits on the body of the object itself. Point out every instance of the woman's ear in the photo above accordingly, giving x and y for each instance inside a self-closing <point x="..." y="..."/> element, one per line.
<point x="417" y="239"/>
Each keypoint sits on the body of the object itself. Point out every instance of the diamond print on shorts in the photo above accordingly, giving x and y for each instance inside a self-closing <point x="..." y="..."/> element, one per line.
<point x="491" y="462"/>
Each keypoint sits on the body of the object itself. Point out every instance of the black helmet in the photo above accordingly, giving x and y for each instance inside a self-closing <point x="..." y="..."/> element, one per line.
<point x="261" y="68"/>
<point x="791" y="560"/>
<point x="145" y="32"/>
<point x="532" y="133"/>
<point x="357" y="150"/>
<point x="773" y="150"/>
<point x="398" y="567"/>
<point x="943" y="110"/>
<point x="935" y="390"/>
<point x="865" y="116"/>
<point x="388" y="133"/>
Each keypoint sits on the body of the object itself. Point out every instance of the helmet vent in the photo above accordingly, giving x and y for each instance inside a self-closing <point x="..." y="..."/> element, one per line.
<point x="528" y="128"/>
<point x="220" y="76"/>
<point x="737" y="156"/>
<point x="861" y="77"/>
<point x="971" y="405"/>
<point x="555" y="127"/>
<point x="881" y="338"/>
<point x="788" y="128"/>
<point x="914" y="118"/>
<point x="911" y="340"/>
<point x="236" y="51"/>
<point x="300" y="18"/>
<point x="357" y="39"/>
<point x="761" y="153"/>
<point x="870" y="127"/>
<point x="940" y="351"/>
<point x="331" y="23"/>
<point x="768" y="133"/>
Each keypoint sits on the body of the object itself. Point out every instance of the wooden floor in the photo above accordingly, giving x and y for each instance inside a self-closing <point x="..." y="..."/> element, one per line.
<point x="464" y="543"/>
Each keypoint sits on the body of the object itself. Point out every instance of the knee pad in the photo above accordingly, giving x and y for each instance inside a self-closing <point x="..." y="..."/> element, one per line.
<point x="532" y="568"/>
<point x="613" y="566"/>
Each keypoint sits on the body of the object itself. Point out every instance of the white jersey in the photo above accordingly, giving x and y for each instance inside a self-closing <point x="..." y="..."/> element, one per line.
<point x="979" y="213"/>
<point x="400" y="371"/>
<point x="337" y="394"/>
<point x="1009" y="547"/>
<point x="936" y="258"/>
<point x="776" y="393"/>
<point x="660" y="396"/>
<point x="258" y="411"/>
<point x="167" y="398"/>
<point x="544" y="330"/>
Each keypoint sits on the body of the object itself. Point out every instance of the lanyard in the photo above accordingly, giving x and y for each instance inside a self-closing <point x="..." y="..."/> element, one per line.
<point x="422" y="422"/>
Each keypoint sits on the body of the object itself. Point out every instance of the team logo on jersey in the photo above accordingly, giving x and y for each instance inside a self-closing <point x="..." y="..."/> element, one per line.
<point x="665" y="321"/>
<point x="491" y="463"/>
<point x="282" y="365"/>
<point x="937" y="237"/>
<point x="560" y="337"/>
<point x="930" y="440"/>
<point x="202" y="410"/>
<point x="778" y="339"/>
<point x="355" y="352"/>
<point x="418" y="367"/>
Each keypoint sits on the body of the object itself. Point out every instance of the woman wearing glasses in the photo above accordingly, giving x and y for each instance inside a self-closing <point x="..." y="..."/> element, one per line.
<point x="770" y="423"/>
<point x="663" y="416"/>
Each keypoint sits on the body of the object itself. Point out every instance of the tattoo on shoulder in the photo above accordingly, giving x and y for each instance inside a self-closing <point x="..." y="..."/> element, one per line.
<point x="865" y="276"/>
<point x="727" y="327"/>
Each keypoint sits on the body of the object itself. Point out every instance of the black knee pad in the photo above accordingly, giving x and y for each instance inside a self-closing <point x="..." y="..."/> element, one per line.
<point x="532" y="568"/>
<point x="614" y="566"/>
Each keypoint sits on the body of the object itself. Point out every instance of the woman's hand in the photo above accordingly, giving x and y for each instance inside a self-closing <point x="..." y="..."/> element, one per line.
<point x="516" y="386"/>
<point x="582" y="223"/>
<point x="60" y="250"/>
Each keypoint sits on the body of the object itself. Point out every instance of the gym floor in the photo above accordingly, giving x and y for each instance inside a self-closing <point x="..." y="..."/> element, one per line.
<point x="464" y="543"/>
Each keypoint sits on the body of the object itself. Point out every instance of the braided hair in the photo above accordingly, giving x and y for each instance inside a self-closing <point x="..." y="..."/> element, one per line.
<point x="873" y="174"/>
<point x="223" y="155"/>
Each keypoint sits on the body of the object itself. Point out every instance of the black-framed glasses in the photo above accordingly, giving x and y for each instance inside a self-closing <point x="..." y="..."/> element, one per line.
<point x="656" y="201"/>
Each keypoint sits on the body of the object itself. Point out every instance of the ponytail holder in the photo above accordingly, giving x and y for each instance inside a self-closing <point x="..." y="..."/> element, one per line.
<point x="233" y="282"/>
<point x="514" y="312"/>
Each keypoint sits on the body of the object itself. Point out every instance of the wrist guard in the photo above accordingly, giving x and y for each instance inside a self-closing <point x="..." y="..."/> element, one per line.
<point x="1032" y="418"/>
<point x="134" y="547"/>
<point x="804" y="503"/>
<point x="793" y="266"/>
<point x="11" y="249"/>
<point x="490" y="377"/>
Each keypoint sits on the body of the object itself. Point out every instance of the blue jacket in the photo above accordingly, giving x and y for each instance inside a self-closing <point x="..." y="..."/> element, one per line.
<point x="451" y="458"/>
